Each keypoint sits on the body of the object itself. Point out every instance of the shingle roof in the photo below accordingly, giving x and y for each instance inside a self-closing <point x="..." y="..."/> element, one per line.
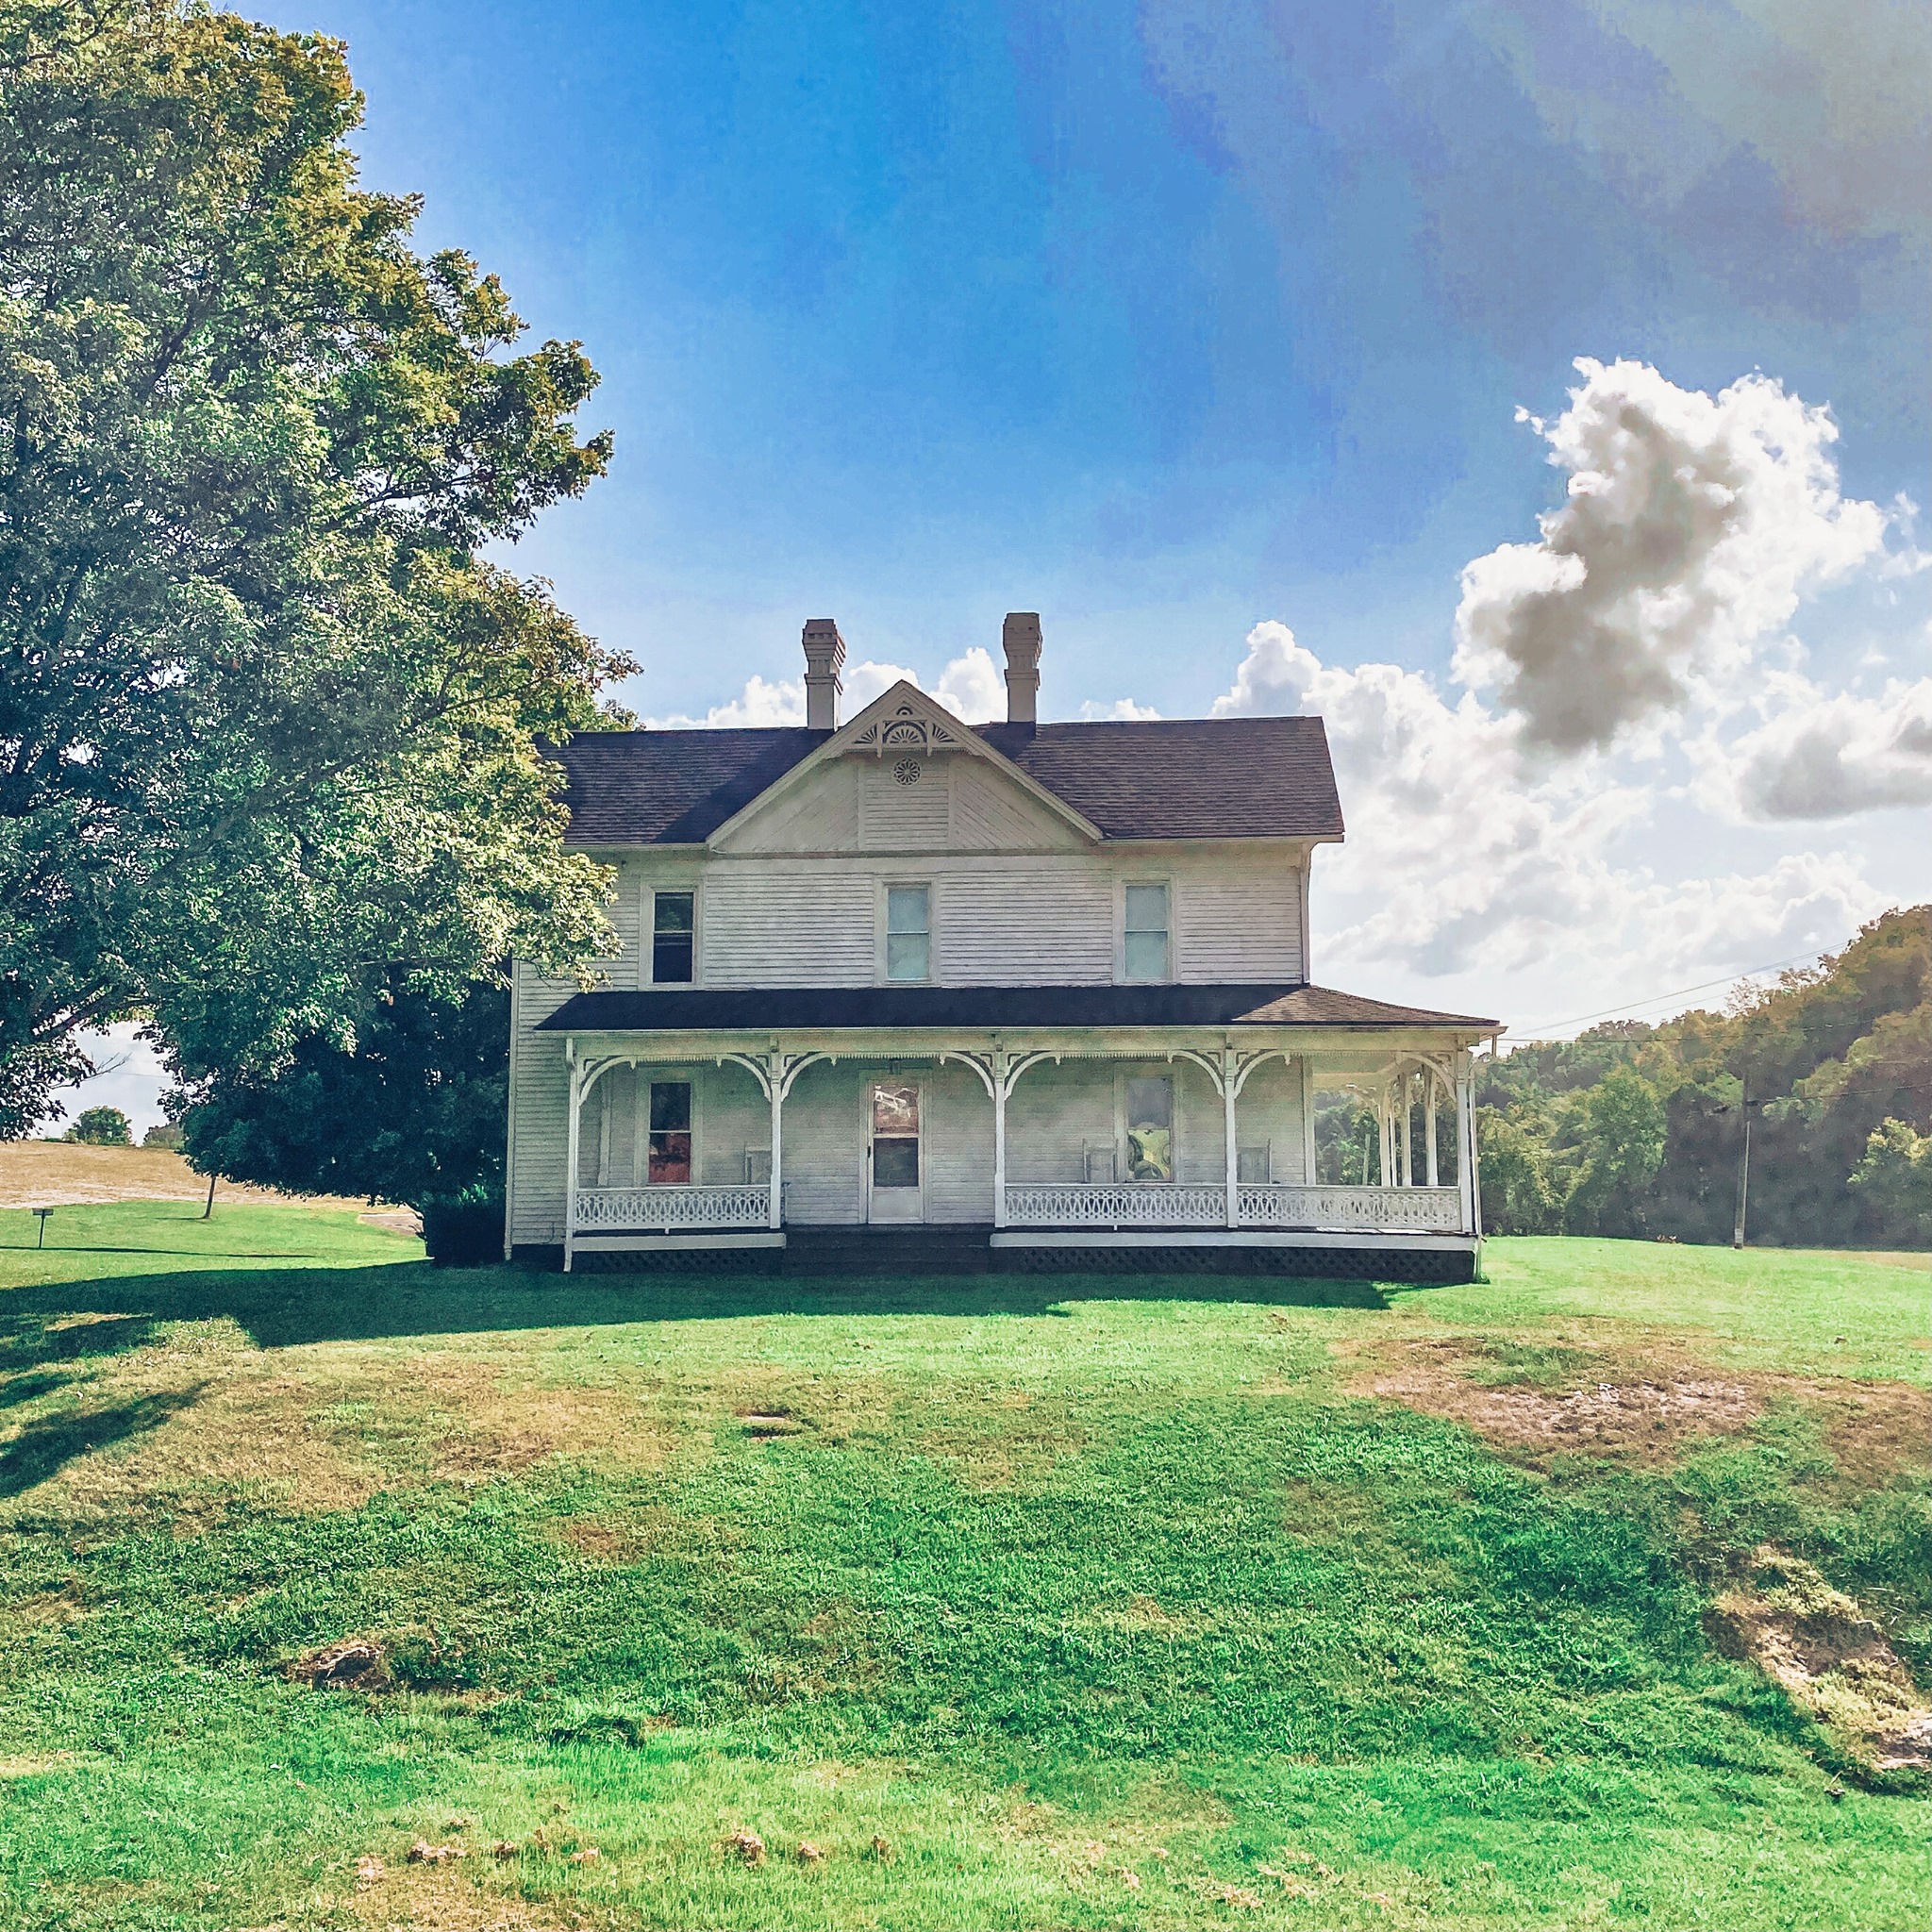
<point x="1165" y="778"/>
<point x="786" y="1009"/>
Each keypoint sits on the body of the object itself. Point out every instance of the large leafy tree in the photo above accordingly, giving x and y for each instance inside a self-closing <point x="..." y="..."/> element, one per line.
<point x="269" y="722"/>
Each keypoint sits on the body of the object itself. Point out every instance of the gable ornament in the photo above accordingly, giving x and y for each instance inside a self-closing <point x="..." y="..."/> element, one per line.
<point x="907" y="732"/>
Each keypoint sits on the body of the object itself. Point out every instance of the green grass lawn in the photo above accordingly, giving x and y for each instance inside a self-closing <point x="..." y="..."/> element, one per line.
<point x="1029" y="1602"/>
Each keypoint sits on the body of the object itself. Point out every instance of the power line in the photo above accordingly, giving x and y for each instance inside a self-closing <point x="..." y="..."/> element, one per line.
<point x="1546" y="1026"/>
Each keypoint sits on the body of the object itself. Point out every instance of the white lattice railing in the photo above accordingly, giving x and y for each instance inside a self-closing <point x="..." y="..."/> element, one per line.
<point x="1167" y="1203"/>
<point x="670" y="1206"/>
<point x="1117" y="1204"/>
<point x="1352" y="1211"/>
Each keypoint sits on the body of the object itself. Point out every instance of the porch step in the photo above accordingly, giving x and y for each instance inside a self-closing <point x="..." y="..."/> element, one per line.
<point x="863" y="1250"/>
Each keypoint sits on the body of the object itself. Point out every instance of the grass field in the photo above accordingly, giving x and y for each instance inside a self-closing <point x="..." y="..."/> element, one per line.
<point x="1024" y="1601"/>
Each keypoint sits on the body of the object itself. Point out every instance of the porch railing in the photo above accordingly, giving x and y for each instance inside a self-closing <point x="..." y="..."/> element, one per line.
<point x="671" y="1207"/>
<point x="1352" y="1211"/>
<point x="1270" y="1205"/>
<point x="1116" y="1204"/>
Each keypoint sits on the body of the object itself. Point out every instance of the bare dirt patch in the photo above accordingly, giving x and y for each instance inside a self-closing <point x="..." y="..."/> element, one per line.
<point x="1832" y="1660"/>
<point x="1647" y="1407"/>
<point x="449" y="1898"/>
<point x="1620" y="1408"/>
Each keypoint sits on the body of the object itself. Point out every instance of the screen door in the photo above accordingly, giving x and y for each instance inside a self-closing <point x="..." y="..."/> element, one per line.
<point x="896" y="1160"/>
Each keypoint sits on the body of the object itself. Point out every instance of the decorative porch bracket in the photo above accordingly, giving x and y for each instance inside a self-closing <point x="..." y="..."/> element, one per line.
<point x="777" y="1074"/>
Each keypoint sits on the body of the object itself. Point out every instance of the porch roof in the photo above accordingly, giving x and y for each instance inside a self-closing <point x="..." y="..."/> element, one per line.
<point x="801" y="1008"/>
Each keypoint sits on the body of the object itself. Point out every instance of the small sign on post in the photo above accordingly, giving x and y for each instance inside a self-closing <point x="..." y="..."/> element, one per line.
<point x="43" y="1212"/>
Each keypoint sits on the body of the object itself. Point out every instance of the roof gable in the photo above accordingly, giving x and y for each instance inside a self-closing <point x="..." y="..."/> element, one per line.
<point x="905" y="726"/>
<point x="1139" y="780"/>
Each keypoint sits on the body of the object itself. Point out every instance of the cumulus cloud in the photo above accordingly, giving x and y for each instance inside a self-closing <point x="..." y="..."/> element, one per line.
<point x="1692" y="526"/>
<point x="1093" y="711"/>
<point x="969" y="687"/>
<point x="1458" y="859"/>
<point x="1823" y="757"/>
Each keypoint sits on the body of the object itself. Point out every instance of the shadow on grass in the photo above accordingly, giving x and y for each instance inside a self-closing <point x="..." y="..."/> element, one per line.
<point x="283" y="1308"/>
<point x="43" y="1447"/>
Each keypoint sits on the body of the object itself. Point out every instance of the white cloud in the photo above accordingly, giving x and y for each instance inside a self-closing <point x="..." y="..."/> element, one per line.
<point x="969" y="686"/>
<point x="1460" y="862"/>
<point x="759" y="703"/>
<point x="1093" y="711"/>
<point x="1692" y="527"/>
<point x="1826" y="758"/>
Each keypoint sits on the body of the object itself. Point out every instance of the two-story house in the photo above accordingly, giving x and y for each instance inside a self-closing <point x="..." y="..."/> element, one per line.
<point x="1026" y="994"/>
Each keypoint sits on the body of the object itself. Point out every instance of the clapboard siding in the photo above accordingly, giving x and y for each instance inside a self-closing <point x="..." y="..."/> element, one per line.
<point x="1234" y="924"/>
<point x="825" y="1146"/>
<point x="1041" y="927"/>
<point x="819" y="813"/>
<point x="768" y="925"/>
<point x="990" y="814"/>
<point x="903" y="818"/>
<point x="958" y="1146"/>
<point x="541" y="1095"/>
<point x="1269" y="1111"/>
<point x="1053" y="1113"/>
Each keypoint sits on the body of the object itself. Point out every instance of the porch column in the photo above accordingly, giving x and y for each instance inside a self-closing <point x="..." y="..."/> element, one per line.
<point x="1308" y="1175"/>
<point x="776" y="1086"/>
<point x="1001" y="1062"/>
<point x="1429" y="1077"/>
<point x="1229" y="1065"/>
<point x="1383" y="1110"/>
<point x="570" y="1158"/>
<point x="1406" y="1167"/>
<point x="1469" y="1183"/>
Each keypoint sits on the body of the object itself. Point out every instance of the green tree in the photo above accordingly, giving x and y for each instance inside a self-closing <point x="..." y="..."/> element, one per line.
<point x="1621" y="1128"/>
<point x="1513" y="1169"/>
<point x="101" y="1126"/>
<point x="269" y="723"/>
<point x="1893" y="1181"/>
<point x="414" y="1111"/>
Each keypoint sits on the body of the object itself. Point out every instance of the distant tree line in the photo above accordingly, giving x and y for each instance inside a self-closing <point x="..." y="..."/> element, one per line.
<point x="1636" y="1130"/>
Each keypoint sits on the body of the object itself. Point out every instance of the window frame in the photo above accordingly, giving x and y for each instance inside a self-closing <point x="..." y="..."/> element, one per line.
<point x="1128" y="883"/>
<point x="648" y="1078"/>
<point x="647" y="948"/>
<point x="882" y="957"/>
<point x="1123" y="1152"/>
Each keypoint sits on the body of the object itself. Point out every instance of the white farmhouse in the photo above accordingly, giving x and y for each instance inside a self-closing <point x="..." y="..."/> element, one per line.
<point x="1017" y="994"/>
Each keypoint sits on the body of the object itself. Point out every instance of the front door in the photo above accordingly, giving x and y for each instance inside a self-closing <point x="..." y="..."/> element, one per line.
<point x="894" y="1152"/>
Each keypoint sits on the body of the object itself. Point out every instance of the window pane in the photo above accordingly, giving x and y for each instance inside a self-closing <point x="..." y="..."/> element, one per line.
<point x="1150" y="1130"/>
<point x="1147" y="909"/>
<point x="1147" y="955"/>
<point x="908" y="956"/>
<point x="670" y="1105"/>
<point x="908" y="909"/>
<point x="673" y="911"/>
<point x="671" y="1159"/>
<point x="895" y="1163"/>
<point x="895" y="1109"/>
<point x="671" y="959"/>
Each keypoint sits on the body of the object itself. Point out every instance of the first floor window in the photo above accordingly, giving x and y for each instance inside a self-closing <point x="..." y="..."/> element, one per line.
<point x="908" y="932"/>
<point x="1150" y="1129"/>
<point x="669" y="1131"/>
<point x="1146" y="948"/>
<point x="674" y="926"/>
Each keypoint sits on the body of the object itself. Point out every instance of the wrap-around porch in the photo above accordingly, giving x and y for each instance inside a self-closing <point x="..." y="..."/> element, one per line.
<point x="1077" y="1141"/>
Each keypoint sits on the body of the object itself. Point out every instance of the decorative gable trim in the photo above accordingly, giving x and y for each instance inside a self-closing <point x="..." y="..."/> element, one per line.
<point x="905" y="723"/>
<point x="907" y="730"/>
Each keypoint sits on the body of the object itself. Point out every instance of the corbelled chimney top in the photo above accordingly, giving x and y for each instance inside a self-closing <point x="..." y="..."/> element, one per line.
<point x="1019" y="639"/>
<point x="824" y="657"/>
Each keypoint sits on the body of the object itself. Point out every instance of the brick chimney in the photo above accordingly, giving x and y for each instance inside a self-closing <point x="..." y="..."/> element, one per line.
<point x="824" y="657"/>
<point x="1019" y="639"/>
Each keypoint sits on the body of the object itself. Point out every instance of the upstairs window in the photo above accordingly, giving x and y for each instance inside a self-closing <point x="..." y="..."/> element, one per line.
<point x="1146" y="952"/>
<point x="908" y="932"/>
<point x="670" y="1132"/>
<point x="674" y="922"/>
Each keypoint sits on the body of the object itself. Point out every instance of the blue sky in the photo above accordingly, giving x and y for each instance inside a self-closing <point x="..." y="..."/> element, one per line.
<point x="1178" y="321"/>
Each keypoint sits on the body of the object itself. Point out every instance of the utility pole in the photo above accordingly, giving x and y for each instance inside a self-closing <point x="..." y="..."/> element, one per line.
<point x="1743" y="1170"/>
